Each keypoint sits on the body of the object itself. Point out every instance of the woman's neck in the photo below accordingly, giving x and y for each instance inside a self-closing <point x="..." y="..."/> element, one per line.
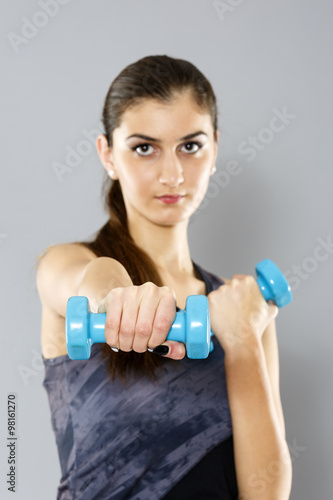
<point x="167" y="246"/>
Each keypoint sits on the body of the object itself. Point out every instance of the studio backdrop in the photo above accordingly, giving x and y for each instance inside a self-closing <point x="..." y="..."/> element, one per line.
<point x="270" y="65"/>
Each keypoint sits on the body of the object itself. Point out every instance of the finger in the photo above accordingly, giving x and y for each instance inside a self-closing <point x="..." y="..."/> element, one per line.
<point x="127" y="324"/>
<point x="164" y="317"/>
<point x="113" y="309"/>
<point x="239" y="276"/>
<point x="144" y="323"/>
<point x="273" y="309"/>
<point x="176" y="350"/>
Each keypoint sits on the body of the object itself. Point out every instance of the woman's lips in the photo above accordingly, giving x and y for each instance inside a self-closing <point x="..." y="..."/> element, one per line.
<point x="170" y="198"/>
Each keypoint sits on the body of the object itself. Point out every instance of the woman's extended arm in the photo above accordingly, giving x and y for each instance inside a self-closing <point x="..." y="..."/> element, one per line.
<point x="66" y="270"/>
<point x="71" y="269"/>
<point x="138" y="317"/>
<point x="239" y="320"/>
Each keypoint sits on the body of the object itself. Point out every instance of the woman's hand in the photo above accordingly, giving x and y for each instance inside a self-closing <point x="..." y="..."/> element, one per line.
<point x="140" y="317"/>
<point x="239" y="313"/>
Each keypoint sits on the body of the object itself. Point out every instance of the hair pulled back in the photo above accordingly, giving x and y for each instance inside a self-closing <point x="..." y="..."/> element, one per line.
<point x="159" y="77"/>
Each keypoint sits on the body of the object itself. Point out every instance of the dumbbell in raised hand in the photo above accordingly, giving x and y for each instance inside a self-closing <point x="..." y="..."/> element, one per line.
<point x="191" y="325"/>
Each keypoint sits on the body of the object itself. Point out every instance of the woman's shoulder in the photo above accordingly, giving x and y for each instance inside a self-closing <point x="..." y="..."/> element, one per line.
<point x="58" y="272"/>
<point x="60" y="265"/>
<point x="66" y="250"/>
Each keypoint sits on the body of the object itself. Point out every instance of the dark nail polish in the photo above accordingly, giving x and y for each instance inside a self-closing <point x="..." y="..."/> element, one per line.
<point x="161" y="349"/>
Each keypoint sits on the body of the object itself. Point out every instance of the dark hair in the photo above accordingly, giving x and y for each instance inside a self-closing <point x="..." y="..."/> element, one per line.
<point x="159" y="77"/>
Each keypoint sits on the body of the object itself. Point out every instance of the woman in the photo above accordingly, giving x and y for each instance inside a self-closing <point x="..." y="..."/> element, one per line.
<point x="140" y="420"/>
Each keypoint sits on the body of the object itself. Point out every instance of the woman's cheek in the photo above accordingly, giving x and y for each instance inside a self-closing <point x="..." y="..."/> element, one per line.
<point x="201" y="187"/>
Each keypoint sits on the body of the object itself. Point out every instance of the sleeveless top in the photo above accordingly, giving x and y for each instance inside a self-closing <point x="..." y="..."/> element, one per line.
<point x="140" y="440"/>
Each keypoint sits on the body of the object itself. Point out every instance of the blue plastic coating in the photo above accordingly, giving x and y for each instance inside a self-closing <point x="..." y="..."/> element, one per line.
<point x="272" y="283"/>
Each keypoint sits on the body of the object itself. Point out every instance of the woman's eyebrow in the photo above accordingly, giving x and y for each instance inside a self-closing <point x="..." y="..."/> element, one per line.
<point x="152" y="139"/>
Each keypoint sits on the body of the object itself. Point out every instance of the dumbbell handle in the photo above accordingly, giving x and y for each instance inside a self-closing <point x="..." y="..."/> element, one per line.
<point x="97" y="327"/>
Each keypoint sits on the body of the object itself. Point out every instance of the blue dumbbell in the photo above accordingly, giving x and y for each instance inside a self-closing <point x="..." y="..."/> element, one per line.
<point x="191" y="325"/>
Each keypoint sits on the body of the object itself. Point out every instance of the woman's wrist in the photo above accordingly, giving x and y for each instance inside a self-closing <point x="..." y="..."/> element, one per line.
<point x="245" y="349"/>
<point x="102" y="275"/>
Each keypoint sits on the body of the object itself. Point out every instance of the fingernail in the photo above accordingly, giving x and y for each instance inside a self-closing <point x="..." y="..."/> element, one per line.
<point x="115" y="349"/>
<point x="149" y="349"/>
<point x="161" y="349"/>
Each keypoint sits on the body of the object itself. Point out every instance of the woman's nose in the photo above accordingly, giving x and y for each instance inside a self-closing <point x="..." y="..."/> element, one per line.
<point x="171" y="173"/>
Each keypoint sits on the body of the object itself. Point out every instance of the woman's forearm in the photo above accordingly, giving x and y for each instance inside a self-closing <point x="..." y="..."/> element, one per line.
<point x="100" y="277"/>
<point x="262" y="459"/>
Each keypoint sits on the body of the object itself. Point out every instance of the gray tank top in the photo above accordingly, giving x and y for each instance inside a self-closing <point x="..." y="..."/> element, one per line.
<point x="135" y="441"/>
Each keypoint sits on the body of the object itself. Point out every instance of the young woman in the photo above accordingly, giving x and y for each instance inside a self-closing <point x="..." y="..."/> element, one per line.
<point x="138" y="419"/>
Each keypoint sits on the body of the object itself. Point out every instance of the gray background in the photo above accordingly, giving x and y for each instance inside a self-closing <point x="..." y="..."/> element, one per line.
<point x="259" y="56"/>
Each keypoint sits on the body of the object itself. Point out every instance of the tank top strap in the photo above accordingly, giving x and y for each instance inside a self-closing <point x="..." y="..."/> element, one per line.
<point x="211" y="280"/>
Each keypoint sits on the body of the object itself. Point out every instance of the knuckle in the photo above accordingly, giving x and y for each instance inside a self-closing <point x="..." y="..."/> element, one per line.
<point x="117" y="292"/>
<point x="167" y="292"/>
<point x="212" y="297"/>
<point x="126" y="330"/>
<point x="110" y="323"/>
<point x="274" y="309"/>
<point x="249" y="280"/>
<point x="148" y="287"/>
<point x="234" y="282"/>
<point x="162" y="325"/>
<point x="143" y="329"/>
<point x="114" y="302"/>
<point x="215" y="296"/>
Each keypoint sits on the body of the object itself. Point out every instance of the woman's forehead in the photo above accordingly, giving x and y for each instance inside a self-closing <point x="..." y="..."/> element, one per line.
<point x="182" y="112"/>
<point x="183" y="99"/>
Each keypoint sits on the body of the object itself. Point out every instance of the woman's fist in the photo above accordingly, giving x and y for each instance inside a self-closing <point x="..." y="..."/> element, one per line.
<point x="239" y="313"/>
<point x="140" y="317"/>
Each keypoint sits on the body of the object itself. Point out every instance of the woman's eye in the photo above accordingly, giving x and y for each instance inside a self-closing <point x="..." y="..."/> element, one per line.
<point x="144" y="148"/>
<point x="191" y="144"/>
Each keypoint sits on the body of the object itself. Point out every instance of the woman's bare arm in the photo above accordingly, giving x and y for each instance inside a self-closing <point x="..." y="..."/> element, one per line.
<point x="68" y="270"/>
<point x="263" y="464"/>
<point x="137" y="316"/>
<point x="244" y="324"/>
<point x="71" y="269"/>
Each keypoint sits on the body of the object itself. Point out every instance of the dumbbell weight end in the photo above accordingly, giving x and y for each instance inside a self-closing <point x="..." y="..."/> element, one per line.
<point x="272" y="283"/>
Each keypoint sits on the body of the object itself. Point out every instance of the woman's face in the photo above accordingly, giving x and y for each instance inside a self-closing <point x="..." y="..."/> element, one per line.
<point x="164" y="175"/>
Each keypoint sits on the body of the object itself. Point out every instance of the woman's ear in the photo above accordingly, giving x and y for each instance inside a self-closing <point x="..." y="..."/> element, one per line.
<point x="106" y="156"/>
<point x="216" y="145"/>
<point x="213" y="170"/>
